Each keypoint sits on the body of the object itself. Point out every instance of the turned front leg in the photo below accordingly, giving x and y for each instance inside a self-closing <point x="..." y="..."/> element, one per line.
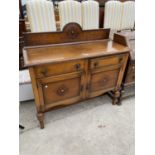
<point x="40" y="117"/>
<point x="116" y="98"/>
<point x="120" y="97"/>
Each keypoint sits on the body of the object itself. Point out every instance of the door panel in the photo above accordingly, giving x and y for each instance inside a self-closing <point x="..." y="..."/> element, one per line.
<point x="61" y="89"/>
<point x="102" y="81"/>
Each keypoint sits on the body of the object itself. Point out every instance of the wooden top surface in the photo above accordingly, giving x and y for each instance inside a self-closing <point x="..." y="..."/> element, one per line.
<point x="71" y="51"/>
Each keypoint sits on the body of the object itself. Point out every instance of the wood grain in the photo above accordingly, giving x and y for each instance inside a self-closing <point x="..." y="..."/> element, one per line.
<point x="72" y="32"/>
<point x="59" y="53"/>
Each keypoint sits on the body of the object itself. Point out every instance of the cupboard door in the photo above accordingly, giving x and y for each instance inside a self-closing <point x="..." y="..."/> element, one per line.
<point x="61" y="90"/>
<point x="101" y="81"/>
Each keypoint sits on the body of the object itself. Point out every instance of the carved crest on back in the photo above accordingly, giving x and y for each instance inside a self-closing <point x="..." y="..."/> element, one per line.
<point x="72" y="30"/>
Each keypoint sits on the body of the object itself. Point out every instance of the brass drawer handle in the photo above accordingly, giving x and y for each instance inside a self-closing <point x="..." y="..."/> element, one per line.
<point x="77" y="66"/>
<point x="95" y="64"/>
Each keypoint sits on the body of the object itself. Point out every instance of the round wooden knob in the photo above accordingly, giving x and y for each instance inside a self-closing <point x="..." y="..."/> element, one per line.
<point x="77" y="66"/>
<point x="95" y="64"/>
<point x="44" y="72"/>
<point x="62" y="90"/>
<point x="120" y="59"/>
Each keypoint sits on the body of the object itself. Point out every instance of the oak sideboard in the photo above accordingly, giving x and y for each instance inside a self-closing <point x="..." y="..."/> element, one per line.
<point x="74" y="65"/>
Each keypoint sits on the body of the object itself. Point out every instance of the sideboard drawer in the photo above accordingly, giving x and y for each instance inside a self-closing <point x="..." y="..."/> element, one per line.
<point x="59" y="68"/>
<point x="105" y="61"/>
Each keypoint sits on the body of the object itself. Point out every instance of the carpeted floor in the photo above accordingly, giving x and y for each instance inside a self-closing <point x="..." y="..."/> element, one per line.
<point x="92" y="127"/>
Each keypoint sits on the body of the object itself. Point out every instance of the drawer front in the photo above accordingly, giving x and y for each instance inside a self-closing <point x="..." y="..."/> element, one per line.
<point x="102" y="81"/>
<point x="130" y="77"/>
<point x="60" y="90"/>
<point x="106" y="61"/>
<point x="59" y="68"/>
